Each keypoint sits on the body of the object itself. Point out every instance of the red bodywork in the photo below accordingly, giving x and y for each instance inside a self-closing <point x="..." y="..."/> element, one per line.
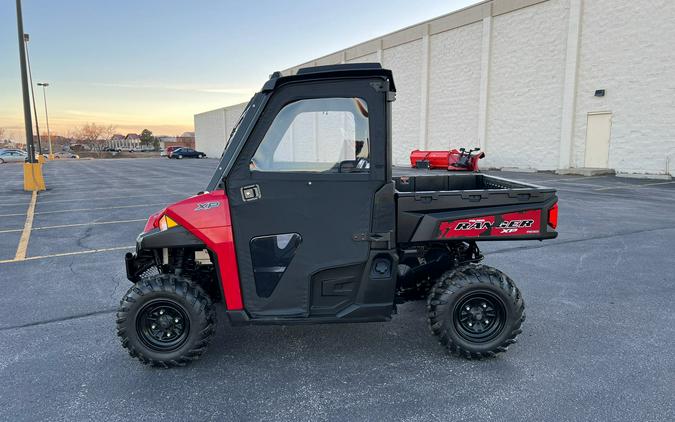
<point x="207" y="216"/>
<point x="444" y="159"/>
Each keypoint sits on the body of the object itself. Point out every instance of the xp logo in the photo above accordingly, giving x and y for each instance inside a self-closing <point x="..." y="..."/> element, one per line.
<point x="207" y="206"/>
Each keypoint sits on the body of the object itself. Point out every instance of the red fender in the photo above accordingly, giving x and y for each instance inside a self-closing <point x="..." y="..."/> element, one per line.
<point x="207" y="216"/>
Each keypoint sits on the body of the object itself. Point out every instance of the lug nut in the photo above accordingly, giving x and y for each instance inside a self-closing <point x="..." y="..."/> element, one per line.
<point x="487" y="322"/>
<point x="468" y="308"/>
<point x="484" y="306"/>
<point x="161" y="311"/>
<point x="168" y="334"/>
<point x="471" y="324"/>
<point x="175" y="320"/>
<point x="153" y="326"/>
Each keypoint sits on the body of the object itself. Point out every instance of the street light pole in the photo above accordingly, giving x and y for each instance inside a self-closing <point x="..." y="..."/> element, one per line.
<point x="24" y="87"/>
<point x="44" y="85"/>
<point x="26" y="38"/>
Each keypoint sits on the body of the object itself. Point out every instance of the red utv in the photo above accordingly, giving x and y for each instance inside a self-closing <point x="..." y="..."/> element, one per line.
<point x="303" y="222"/>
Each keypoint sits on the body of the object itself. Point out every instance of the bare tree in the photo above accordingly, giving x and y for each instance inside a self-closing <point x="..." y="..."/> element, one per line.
<point x="5" y="137"/>
<point x="94" y="136"/>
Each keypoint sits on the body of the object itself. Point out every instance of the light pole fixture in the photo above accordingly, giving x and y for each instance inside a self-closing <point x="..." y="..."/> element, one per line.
<point x="44" y="85"/>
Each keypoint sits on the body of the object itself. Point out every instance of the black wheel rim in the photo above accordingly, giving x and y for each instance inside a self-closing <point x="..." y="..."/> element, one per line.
<point x="163" y="325"/>
<point x="479" y="316"/>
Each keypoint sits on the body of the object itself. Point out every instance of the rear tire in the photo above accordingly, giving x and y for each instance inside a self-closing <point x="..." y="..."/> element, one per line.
<point x="165" y="321"/>
<point x="476" y="311"/>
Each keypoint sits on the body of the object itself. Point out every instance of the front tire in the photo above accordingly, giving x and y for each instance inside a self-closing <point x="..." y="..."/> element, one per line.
<point x="165" y="321"/>
<point x="476" y="311"/>
<point x="180" y="157"/>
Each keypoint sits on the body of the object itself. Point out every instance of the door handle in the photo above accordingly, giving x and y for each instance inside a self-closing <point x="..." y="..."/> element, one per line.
<point x="250" y="193"/>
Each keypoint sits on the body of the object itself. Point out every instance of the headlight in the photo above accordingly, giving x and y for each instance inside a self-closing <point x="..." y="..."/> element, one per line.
<point x="166" y="223"/>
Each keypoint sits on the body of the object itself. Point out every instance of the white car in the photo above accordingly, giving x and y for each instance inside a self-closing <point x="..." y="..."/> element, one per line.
<point x="12" y="156"/>
<point x="60" y="155"/>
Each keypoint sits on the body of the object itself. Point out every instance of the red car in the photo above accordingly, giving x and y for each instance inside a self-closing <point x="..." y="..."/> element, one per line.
<point x="169" y="151"/>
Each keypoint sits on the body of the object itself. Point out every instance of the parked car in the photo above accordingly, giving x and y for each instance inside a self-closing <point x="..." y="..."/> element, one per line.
<point x="142" y="149"/>
<point x="14" y="149"/>
<point x="167" y="152"/>
<point x="12" y="155"/>
<point x="60" y="155"/>
<point x="181" y="153"/>
<point x="110" y="149"/>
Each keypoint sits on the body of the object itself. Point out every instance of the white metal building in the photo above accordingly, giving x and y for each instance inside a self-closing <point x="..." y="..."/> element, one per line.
<point x="537" y="84"/>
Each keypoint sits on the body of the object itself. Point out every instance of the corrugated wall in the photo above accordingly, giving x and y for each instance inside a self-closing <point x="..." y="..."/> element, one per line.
<point x="517" y="77"/>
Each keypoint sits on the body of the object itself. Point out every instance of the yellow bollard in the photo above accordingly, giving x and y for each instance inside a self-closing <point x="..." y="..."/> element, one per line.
<point x="51" y="156"/>
<point x="32" y="177"/>
<point x="41" y="159"/>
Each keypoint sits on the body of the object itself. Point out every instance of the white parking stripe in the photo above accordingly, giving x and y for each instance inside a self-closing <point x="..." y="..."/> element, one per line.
<point x="89" y="209"/>
<point x="61" y="226"/>
<point x="636" y="186"/>
<point x="31" y="258"/>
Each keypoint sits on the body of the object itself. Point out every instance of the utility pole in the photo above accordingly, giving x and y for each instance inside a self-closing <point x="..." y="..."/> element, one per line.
<point x="44" y="85"/>
<point x="32" y="170"/>
<point x="28" y="121"/>
<point x="26" y="38"/>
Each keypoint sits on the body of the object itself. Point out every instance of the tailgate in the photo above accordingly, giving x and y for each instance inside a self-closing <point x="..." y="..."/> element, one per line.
<point x="500" y="210"/>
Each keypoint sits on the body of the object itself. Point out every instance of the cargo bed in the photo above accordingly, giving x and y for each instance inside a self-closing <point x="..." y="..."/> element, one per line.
<point x="472" y="206"/>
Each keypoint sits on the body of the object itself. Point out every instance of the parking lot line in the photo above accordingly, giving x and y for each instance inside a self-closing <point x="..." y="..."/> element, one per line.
<point x="56" y="255"/>
<point x="636" y="186"/>
<point x="25" y="235"/>
<point x="87" y="209"/>
<point x="99" y="208"/>
<point x="11" y="230"/>
<point x="92" y="199"/>
<point x="92" y="223"/>
<point x="12" y="215"/>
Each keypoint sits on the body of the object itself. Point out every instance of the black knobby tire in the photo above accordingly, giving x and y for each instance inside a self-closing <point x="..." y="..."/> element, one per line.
<point x="146" y="315"/>
<point x="476" y="311"/>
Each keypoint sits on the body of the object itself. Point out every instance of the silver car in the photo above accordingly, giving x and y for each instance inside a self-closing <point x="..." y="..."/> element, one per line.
<point x="9" y="156"/>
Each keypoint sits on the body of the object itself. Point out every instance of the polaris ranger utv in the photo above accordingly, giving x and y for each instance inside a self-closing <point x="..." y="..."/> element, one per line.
<point x="303" y="222"/>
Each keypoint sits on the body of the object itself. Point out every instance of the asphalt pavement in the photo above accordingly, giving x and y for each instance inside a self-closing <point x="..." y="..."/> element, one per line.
<point x="598" y="343"/>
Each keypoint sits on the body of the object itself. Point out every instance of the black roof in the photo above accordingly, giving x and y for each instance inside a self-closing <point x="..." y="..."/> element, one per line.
<point x="335" y="70"/>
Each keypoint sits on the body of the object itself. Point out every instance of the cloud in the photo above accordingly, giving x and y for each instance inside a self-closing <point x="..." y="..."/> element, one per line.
<point x="178" y="87"/>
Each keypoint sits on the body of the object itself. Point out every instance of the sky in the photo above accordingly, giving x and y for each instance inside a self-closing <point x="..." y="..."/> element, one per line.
<point x="154" y="64"/>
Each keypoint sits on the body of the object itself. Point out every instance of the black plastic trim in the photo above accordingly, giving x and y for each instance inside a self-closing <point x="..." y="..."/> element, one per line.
<point x="175" y="237"/>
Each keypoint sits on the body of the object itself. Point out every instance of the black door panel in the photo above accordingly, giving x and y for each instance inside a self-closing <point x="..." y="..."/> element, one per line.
<point x="325" y="207"/>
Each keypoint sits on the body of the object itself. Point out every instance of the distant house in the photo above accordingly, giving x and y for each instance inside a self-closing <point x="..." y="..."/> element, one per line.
<point x="125" y="142"/>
